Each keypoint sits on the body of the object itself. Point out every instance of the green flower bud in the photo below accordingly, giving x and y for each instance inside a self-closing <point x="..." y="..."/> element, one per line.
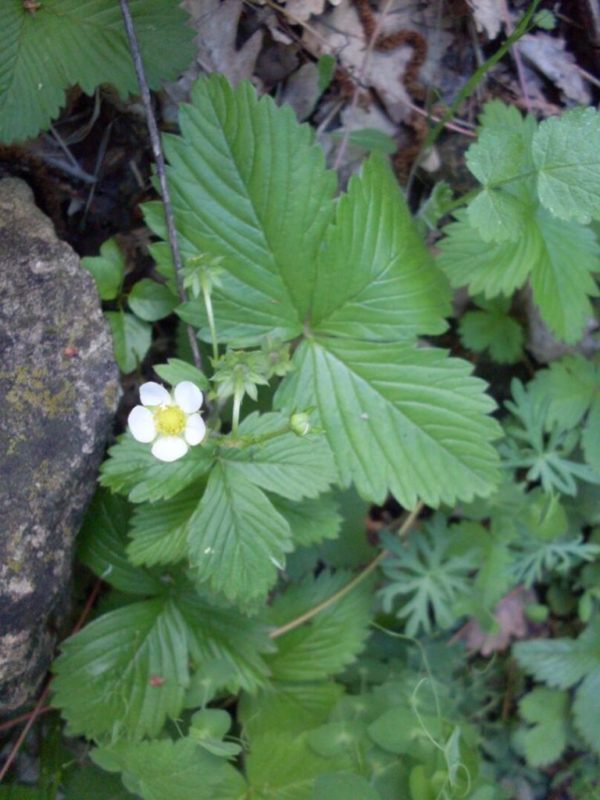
<point x="300" y="424"/>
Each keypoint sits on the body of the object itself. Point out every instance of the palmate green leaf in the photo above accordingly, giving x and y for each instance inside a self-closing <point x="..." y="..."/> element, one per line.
<point x="131" y="469"/>
<point x="374" y="278"/>
<point x="398" y="418"/>
<point x="558" y="257"/>
<point x="264" y="207"/>
<point x="67" y="42"/>
<point x="566" y="152"/>
<point x="333" y="638"/>
<point x="237" y="539"/>
<point x="178" y="770"/>
<point x="126" y="671"/>
<point x="547" y="711"/>
<point x="102" y="542"/>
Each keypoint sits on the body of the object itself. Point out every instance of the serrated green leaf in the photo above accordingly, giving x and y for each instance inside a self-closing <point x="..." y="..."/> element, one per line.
<point x="107" y="269"/>
<point x="488" y="269"/>
<point x="102" y="544"/>
<point x="561" y="663"/>
<point x="131" y="339"/>
<point x="352" y="548"/>
<point x="569" y="385"/>
<point x="178" y="770"/>
<point x="586" y="708"/>
<point x="237" y="540"/>
<point x="374" y="278"/>
<point x="67" y="42"/>
<point x="128" y="668"/>
<point x="158" y="530"/>
<point x="497" y="215"/>
<point x="312" y="519"/>
<point x="566" y="152"/>
<point x="151" y="301"/>
<point x="289" y="465"/>
<point x="492" y="329"/>
<point x="547" y="711"/>
<point x="263" y="208"/>
<point x="398" y="418"/>
<point x="333" y="638"/>
<point x="176" y="370"/>
<point x="131" y="469"/>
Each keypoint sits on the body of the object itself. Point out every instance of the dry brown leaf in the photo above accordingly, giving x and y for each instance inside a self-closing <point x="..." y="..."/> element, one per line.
<point x="510" y="617"/>
<point x="551" y="57"/>
<point x="217" y="24"/>
<point x="488" y="16"/>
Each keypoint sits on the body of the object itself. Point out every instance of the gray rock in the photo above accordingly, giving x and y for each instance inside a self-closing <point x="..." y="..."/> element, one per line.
<point x="58" y="392"/>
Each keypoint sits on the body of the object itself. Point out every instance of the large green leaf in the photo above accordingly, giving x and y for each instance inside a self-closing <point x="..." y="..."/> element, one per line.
<point x="374" y="278"/>
<point x="566" y="151"/>
<point x="66" y="42"/>
<point x="237" y="539"/>
<point x="398" y="418"/>
<point x="330" y="641"/>
<point x="249" y="184"/>
<point x="129" y="669"/>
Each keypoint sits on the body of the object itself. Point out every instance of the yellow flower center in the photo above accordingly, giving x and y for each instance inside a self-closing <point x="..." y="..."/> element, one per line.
<point x="169" y="420"/>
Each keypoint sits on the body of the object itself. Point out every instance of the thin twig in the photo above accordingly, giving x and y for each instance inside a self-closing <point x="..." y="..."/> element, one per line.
<point x="160" y="168"/>
<point x="360" y="79"/>
<point x="39" y="707"/>
<point x="516" y="56"/>
<point x="356" y="581"/>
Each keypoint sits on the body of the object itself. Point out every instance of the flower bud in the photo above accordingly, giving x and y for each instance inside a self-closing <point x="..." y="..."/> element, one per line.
<point x="300" y="424"/>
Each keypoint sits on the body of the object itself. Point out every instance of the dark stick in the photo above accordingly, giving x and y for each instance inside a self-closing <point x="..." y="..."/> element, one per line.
<point x="160" y="168"/>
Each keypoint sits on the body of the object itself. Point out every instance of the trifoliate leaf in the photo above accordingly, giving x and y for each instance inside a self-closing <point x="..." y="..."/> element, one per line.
<point x="178" y="770"/>
<point x="237" y="540"/>
<point x="423" y="570"/>
<point x="65" y="42"/>
<point x="310" y="520"/>
<point x="158" y="530"/>
<point x="128" y="668"/>
<point x="558" y="256"/>
<point x="289" y="465"/>
<point x="566" y="152"/>
<point x="150" y="300"/>
<point x="331" y="640"/>
<point x="374" y="278"/>
<point x="102" y="544"/>
<point x="263" y="208"/>
<point x="131" y="339"/>
<point x="494" y="330"/>
<point x="108" y="269"/>
<point x="131" y="469"/>
<point x="547" y="711"/>
<point x="398" y="418"/>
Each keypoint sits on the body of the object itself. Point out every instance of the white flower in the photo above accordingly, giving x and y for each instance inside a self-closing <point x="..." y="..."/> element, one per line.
<point x="169" y="420"/>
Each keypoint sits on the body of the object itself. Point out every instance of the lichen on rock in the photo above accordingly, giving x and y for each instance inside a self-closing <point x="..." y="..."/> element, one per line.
<point x="59" y="388"/>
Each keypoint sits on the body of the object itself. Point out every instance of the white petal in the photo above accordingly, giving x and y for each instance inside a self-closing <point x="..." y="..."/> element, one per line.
<point x="195" y="430"/>
<point x="169" y="448"/>
<point x="141" y="424"/>
<point x="188" y="396"/>
<point x="153" y="394"/>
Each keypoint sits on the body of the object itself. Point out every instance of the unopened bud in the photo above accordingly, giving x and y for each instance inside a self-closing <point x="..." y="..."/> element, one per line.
<point x="300" y="424"/>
